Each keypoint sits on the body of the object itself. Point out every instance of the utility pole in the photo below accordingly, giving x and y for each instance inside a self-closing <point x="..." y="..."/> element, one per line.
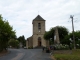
<point x="73" y="31"/>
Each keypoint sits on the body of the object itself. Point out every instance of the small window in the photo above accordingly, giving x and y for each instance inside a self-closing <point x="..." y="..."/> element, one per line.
<point x="39" y="25"/>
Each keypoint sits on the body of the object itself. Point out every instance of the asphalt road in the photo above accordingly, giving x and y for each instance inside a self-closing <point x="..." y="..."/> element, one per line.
<point x="26" y="54"/>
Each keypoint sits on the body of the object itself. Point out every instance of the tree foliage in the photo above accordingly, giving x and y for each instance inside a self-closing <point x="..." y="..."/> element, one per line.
<point x="13" y="43"/>
<point x="6" y="32"/>
<point x="22" y="40"/>
<point x="77" y="37"/>
<point x="63" y="31"/>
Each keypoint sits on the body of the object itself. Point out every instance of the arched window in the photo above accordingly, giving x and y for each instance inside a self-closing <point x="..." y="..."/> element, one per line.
<point x="39" y="38"/>
<point x="39" y="26"/>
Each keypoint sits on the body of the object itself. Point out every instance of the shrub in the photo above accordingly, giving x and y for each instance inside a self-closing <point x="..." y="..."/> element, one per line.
<point x="62" y="47"/>
<point x="14" y="43"/>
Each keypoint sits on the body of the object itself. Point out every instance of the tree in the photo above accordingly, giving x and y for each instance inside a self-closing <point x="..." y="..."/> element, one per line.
<point x="13" y="43"/>
<point x="22" y="40"/>
<point x="63" y="31"/>
<point x="66" y="40"/>
<point x="49" y="35"/>
<point x="6" y="32"/>
<point x="77" y="37"/>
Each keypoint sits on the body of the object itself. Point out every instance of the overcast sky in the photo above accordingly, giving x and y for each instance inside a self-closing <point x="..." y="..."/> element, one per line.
<point x="20" y="14"/>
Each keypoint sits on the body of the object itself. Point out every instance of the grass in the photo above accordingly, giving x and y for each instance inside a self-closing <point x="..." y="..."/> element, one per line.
<point x="75" y="55"/>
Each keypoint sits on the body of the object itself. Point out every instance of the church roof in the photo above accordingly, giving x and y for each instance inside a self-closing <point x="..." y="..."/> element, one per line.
<point x="38" y="18"/>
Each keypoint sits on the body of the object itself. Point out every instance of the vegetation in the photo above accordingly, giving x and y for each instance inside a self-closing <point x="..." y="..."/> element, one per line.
<point x="69" y="39"/>
<point x="77" y="38"/>
<point x="62" y="47"/>
<point x="22" y="40"/>
<point x="8" y="36"/>
<point x="65" y="37"/>
<point x="6" y="33"/>
<point x="13" y="43"/>
<point x="63" y="31"/>
<point x="75" y="55"/>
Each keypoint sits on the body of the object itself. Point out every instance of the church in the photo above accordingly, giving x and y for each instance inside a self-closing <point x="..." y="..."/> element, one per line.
<point x="37" y="40"/>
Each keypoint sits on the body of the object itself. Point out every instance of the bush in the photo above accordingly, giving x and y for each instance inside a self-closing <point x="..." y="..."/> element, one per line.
<point x="61" y="47"/>
<point x="14" y="43"/>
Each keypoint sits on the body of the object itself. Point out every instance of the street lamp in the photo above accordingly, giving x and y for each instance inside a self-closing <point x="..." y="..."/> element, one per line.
<point x="73" y="31"/>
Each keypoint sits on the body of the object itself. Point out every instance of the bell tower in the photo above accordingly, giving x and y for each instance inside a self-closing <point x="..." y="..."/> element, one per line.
<point x="38" y="32"/>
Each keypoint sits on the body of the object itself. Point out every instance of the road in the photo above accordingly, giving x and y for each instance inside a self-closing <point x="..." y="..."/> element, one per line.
<point x="26" y="54"/>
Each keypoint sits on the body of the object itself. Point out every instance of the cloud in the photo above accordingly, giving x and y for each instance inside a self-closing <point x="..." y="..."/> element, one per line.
<point x="20" y="13"/>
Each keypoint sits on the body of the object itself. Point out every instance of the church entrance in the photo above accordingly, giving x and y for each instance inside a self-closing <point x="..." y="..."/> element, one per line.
<point x="39" y="41"/>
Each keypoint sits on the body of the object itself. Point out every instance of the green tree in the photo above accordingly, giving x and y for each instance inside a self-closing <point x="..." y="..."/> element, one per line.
<point x="77" y="37"/>
<point x="6" y="32"/>
<point x="22" y="40"/>
<point x="13" y="43"/>
<point x="49" y="35"/>
<point x="67" y="40"/>
<point x="63" y="31"/>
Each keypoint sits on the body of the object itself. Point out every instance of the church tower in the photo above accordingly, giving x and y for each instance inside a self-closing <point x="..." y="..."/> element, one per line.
<point x="38" y="32"/>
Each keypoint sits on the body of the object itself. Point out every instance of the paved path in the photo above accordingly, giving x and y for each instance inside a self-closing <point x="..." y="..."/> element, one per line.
<point x="26" y="54"/>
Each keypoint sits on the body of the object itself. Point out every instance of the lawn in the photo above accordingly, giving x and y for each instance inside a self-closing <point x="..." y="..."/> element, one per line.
<point x="74" y="55"/>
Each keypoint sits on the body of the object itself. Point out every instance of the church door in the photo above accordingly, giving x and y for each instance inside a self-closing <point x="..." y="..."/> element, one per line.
<point x="39" y="41"/>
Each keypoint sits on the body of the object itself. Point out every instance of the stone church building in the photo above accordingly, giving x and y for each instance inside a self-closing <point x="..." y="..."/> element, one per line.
<point x="37" y="40"/>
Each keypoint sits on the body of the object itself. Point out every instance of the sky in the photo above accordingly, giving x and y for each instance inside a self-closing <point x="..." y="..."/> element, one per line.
<point x="20" y="14"/>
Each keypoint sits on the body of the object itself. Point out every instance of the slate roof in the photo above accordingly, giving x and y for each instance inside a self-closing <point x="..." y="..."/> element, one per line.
<point x="38" y="18"/>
